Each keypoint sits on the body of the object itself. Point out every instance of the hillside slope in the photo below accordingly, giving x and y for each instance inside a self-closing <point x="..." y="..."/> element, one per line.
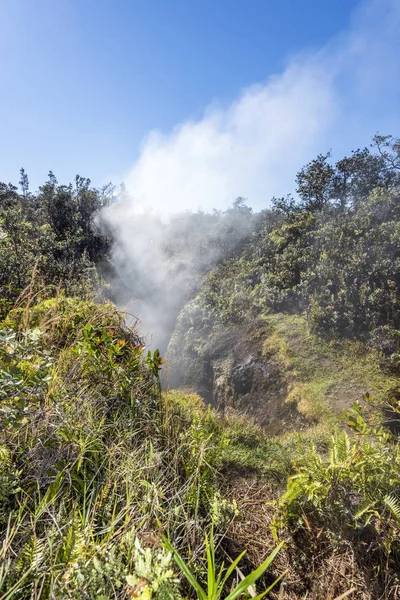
<point x="275" y="370"/>
<point x="304" y="322"/>
<point x="98" y="470"/>
<point x="113" y="489"/>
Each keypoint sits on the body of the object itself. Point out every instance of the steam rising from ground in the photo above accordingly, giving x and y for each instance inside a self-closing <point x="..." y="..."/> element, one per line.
<point x="160" y="262"/>
<point x="336" y="97"/>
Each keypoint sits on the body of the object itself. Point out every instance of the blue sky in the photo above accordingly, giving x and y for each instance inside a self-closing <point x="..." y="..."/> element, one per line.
<point x="84" y="82"/>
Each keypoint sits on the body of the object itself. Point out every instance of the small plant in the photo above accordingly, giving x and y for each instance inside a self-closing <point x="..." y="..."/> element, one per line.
<point x="217" y="579"/>
<point x="153" y="577"/>
<point x="222" y="510"/>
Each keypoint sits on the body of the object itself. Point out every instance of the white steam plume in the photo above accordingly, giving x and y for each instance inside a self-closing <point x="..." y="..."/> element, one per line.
<point x="244" y="150"/>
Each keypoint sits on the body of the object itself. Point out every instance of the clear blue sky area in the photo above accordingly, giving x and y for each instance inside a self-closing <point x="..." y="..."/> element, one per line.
<point x="82" y="81"/>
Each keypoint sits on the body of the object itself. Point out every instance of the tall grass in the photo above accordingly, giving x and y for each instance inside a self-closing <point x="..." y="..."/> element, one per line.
<point x="96" y="465"/>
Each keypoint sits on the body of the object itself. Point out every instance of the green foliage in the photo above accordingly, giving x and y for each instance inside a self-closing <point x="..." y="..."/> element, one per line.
<point x="95" y="464"/>
<point x="352" y="493"/>
<point x="351" y="180"/>
<point x="154" y="577"/>
<point x="50" y="235"/>
<point x="218" y="578"/>
<point x="59" y="441"/>
<point x="25" y="371"/>
<point x="215" y="442"/>
<point x="334" y="257"/>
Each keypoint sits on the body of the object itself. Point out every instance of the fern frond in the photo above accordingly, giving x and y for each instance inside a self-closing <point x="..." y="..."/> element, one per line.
<point x="393" y="504"/>
<point x="39" y="552"/>
<point x="295" y="488"/>
<point x="32" y="554"/>
<point x="340" y="448"/>
<point x="344" y="446"/>
<point x="363" y="507"/>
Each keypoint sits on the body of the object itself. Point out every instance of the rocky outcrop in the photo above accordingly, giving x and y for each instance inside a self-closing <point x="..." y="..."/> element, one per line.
<point x="229" y="370"/>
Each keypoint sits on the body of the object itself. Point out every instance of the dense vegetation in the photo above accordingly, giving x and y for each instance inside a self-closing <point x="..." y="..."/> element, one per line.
<point x="333" y="256"/>
<point x="51" y="235"/>
<point x="111" y="488"/>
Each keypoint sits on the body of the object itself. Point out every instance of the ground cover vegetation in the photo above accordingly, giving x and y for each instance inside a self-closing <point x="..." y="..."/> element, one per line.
<point x="111" y="487"/>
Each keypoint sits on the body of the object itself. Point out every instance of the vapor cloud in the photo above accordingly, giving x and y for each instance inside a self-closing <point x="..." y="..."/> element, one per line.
<point x="239" y="151"/>
<point x="336" y="97"/>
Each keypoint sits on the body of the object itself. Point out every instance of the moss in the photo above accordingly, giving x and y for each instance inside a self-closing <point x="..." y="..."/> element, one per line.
<point x="28" y="370"/>
<point x="324" y="377"/>
<point x="234" y="442"/>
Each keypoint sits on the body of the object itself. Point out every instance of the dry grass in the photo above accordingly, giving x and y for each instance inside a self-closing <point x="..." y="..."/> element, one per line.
<point x="315" y="569"/>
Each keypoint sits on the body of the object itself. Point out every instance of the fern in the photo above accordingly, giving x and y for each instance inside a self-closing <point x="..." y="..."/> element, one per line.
<point x="365" y="505"/>
<point x="73" y="543"/>
<point x="294" y="489"/>
<point x="340" y="449"/>
<point x="32" y="555"/>
<point x="393" y="504"/>
<point x="344" y="446"/>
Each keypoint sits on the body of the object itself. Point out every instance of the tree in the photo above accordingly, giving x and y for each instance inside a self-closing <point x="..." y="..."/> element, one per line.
<point x="286" y="204"/>
<point x="389" y="149"/>
<point x="314" y="183"/>
<point x="356" y="176"/>
<point x="239" y="205"/>
<point x="8" y="195"/>
<point x="24" y="183"/>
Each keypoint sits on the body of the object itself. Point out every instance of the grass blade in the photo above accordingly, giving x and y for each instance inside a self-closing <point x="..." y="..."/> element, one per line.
<point x="252" y="577"/>
<point x="185" y="570"/>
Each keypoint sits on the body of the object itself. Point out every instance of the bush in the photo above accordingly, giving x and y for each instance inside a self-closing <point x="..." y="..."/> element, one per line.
<point x="350" y="496"/>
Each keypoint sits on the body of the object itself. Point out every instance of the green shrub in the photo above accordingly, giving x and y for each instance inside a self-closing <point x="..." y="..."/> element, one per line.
<point x="350" y="495"/>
